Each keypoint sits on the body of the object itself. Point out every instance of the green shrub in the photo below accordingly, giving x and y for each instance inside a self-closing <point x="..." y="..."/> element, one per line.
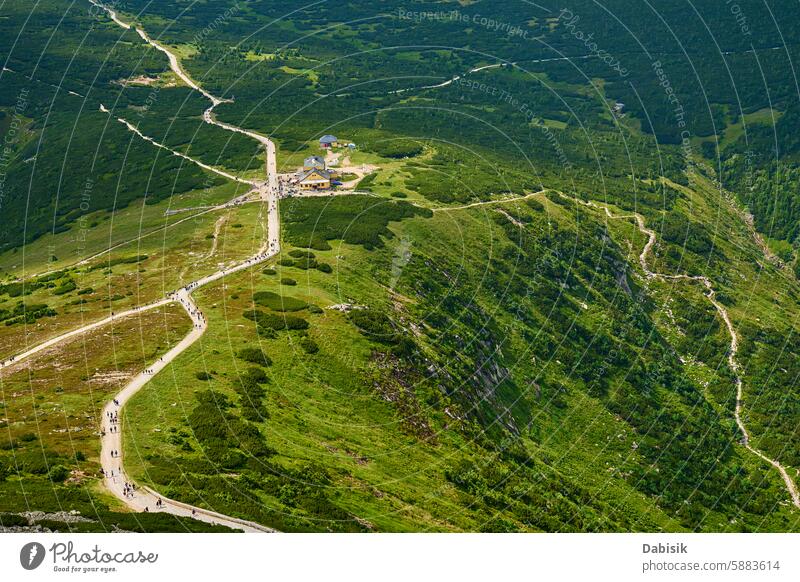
<point x="305" y="263"/>
<point x="26" y="313"/>
<point x="288" y="281"/>
<point x="58" y="473"/>
<point x="309" y="345"/>
<point x="534" y="205"/>
<point x="677" y="229"/>
<point x="254" y="356"/>
<point x="365" y="183"/>
<point x="268" y="322"/>
<point x="203" y="376"/>
<point x="396" y="148"/>
<point x="278" y="302"/>
<point x="269" y="271"/>
<point x="65" y="287"/>
<point x="256" y="375"/>
<point x="375" y="325"/>
<point x="324" y="268"/>
<point x="12" y="520"/>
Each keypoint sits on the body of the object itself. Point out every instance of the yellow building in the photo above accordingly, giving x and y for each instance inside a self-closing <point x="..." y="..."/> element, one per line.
<point x="314" y="179"/>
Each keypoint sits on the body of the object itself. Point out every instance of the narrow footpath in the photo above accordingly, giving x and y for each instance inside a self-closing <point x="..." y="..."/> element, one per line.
<point x="711" y="295"/>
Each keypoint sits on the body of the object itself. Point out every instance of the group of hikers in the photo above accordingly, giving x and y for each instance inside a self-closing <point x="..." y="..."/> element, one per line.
<point x="113" y="421"/>
<point x="128" y="489"/>
<point x="159" y="505"/>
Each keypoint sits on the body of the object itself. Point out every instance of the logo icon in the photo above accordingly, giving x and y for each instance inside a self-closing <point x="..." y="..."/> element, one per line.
<point x="31" y="555"/>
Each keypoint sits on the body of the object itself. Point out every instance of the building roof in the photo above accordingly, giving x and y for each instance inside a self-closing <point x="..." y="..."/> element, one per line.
<point x="328" y="139"/>
<point x="308" y="174"/>
<point x="310" y="160"/>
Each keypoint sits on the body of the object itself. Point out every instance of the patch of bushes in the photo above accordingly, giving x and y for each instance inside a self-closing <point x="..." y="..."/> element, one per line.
<point x="373" y="324"/>
<point x="534" y="205"/>
<point x="278" y="302"/>
<point x="273" y="321"/>
<point x="254" y="356"/>
<point x="227" y="440"/>
<point x="305" y="260"/>
<point x="203" y="376"/>
<point x="12" y="520"/>
<point x="19" y="289"/>
<point x="58" y="473"/>
<point x="309" y="345"/>
<point x="366" y="182"/>
<point x="252" y="394"/>
<point x="677" y="229"/>
<point x="288" y="281"/>
<point x="65" y="287"/>
<point x="26" y="313"/>
<point x="378" y="327"/>
<point x="396" y="149"/>
<point x="358" y="220"/>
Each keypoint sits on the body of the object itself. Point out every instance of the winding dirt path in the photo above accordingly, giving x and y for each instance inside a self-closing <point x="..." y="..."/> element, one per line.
<point x="489" y="202"/>
<point x="484" y="68"/>
<point x="65" y="337"/>
<point x="111" y="457"/>
<point x="143" y="498"/>
<point x="711" y="295"/>
<point x="203" y="165"/>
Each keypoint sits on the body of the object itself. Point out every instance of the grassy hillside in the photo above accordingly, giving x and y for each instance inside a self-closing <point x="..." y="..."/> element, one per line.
<point x="471" y="342"/>
<point x="527" y="366"/>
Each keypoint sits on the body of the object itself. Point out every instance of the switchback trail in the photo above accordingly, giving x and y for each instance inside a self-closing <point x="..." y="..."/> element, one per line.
<point x="711" y="295"/>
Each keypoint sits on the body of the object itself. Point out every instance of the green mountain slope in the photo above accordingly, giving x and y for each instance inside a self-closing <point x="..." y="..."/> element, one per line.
<point x="476" y="341"/>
